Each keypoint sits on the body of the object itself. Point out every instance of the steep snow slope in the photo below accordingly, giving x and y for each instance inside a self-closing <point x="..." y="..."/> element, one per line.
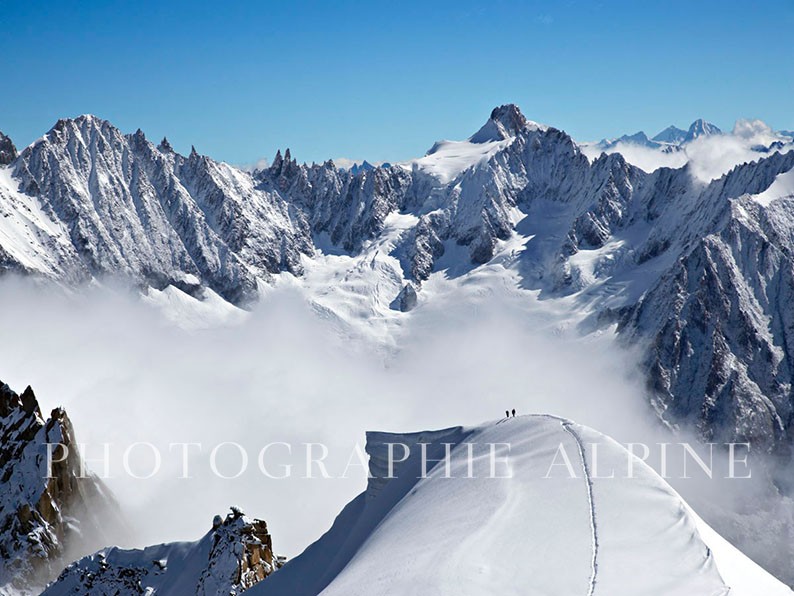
<point x="551" y="527"/>
<point x="151" y="216"/>
<point x="30" y="239"/>
<point x="781" y="188"/>
<point x="447" y="159"/>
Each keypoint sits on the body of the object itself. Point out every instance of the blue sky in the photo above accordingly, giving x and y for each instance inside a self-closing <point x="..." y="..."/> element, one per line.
<point x="384" y="80"/>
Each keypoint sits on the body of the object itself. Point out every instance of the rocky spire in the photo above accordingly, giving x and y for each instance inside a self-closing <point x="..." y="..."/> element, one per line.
<point x="138" y="139"/>
<point x="510" y="117"/>
<point x="44" y="513"/>
<point x="278" y="162"/>
<point x="165" y="146"/>
<point x="8" y="152"/>
<point x="290" y="164"/>
<point x="505" y="122"/>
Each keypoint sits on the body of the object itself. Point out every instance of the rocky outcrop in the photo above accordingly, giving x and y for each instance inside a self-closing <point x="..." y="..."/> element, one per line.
<point x="241" y="555"/>
<point x="47" y="514"/>
<point x="234" y="555"/>
<point x="505" y="122"/>
<point x="406" y="300"/>
<point x="8" y="152"/>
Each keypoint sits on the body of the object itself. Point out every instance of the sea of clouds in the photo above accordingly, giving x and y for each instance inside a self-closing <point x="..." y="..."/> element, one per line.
<point x="284" y="374"/>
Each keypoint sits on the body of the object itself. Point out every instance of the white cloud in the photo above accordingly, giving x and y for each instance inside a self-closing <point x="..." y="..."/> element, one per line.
<point x="287" y="374"/>
<point x="643" y="157"/>
<point x="259" y="164"/>
<point x="709" y="156"/>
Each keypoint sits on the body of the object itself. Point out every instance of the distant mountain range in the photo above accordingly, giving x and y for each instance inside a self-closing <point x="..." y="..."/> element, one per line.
<point x="669" y="139"/>
<point x="673" y="139"/>
<point x="701" y="275"/>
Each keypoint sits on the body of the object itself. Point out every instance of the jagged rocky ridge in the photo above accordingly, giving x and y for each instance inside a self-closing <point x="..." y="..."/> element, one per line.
<point x="698" y="274"/>
<point x="234" y="555"/>
<point x="44" y="520"/>
<point x="8" y="152"/>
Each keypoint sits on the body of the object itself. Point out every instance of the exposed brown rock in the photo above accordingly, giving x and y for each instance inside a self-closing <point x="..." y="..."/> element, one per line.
<point x="45" y="516"/>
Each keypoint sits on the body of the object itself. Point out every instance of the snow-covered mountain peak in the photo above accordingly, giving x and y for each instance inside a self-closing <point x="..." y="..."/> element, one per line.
<point x="446" y="159"/>
<point x="82" y="124"/>
<point x="669" y="141"/>
<point x="701" y="128"/>
<point x="672" y="134"/>
<point x="505" y="122"/>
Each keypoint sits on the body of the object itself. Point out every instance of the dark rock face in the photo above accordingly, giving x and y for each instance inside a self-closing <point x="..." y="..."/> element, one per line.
<point x="8" y="152"/>
<point x="510" y="117"/>
<point x="505" y="122"/>
<point x="45" y="515"/>
<point x="720" y="324"/>
<point x="232" y="557"/>
<point x="165" y="146"/>
<point x="349" y="208"/>
<point x="406" y="300"/>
